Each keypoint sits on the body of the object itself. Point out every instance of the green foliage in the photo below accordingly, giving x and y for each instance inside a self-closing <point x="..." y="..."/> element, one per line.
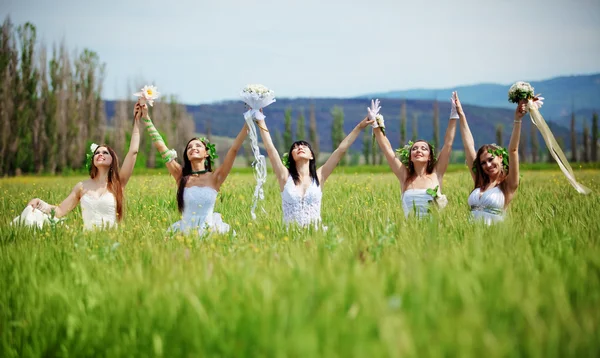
<point x="301" y="126"/>
<point x="337" y="129"/>
<point x="287" y="134"/>
<point x="366" y="145"/>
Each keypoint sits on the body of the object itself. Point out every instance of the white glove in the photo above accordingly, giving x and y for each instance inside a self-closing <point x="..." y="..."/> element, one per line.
<point x="453" y="111"/>
<point x="373" y="111"/>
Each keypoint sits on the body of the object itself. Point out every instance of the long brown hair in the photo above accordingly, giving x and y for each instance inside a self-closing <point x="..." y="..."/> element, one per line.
<point x="481" y="178"/>
<point x="431" y="162"/>
<point x="186" y="171"/>
<point x="113" y="181"/>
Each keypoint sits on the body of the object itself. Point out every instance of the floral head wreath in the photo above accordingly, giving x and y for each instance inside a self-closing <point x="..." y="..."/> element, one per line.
<point x="211" y="149"/>
<point x="404" y="152"/>
<point x="285" y="159"/>
<point x="89" y="157"/>
<point x="495" y="151"/>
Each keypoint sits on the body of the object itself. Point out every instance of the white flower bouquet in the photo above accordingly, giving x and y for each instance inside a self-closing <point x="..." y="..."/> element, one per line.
<point x="257" y="97"/>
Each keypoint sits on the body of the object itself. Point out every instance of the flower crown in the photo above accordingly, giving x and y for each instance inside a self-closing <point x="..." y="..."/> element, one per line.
<point x="404" y="152"/>
<point x="496" y="151"/>
<point x="285" y="159"/>
<point x="211" y="149"/>
<point x="89" y="157"/>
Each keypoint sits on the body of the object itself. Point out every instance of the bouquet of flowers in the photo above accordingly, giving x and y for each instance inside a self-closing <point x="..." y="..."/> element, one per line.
<point x="257" y="97"/>
<point x="524" y="91"/>
<point x="440" y="200"/>
<point x="148" y="94"/>
<point x="520" y="91"/>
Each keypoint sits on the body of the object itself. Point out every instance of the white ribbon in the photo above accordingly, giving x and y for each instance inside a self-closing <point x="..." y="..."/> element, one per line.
<point x="553" y="147"/>
<point x="259" y="164"/>
<point x="256" y="113"/>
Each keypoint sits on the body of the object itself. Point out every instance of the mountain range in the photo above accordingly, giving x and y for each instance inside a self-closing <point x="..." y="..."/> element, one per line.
<point x="485" y="105"/>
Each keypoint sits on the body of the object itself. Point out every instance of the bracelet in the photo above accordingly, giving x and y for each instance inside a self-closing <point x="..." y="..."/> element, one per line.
<point x="519" y="121"/>
<point x="261" y="128"/>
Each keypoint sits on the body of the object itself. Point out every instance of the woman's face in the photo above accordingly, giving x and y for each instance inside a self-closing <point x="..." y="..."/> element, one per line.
<point x="491" y="164"/>
<point x="196" y="150"/>
<point x="102" y="157"/>
<point x="301" y="151"/>
<point x="419" y="152"/>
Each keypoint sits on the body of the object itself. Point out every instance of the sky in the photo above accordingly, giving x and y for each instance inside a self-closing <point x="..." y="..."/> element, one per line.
<point x="207" y="51"/>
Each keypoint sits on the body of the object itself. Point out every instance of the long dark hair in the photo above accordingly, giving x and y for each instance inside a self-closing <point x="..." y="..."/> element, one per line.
<point x="113" y="181"/>
<point x="186" y="171"/>
<point x="431" y="162"/>
<point x="312" y="164"/>
<point x="481" y="178"/>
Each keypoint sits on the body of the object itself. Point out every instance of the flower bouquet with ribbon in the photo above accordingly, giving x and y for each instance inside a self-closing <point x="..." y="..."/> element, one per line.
<point x="257" y="97"/>
<point x="524" y="91"/>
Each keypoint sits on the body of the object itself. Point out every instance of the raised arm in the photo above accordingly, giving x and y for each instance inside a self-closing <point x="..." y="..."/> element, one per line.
<point x="223" y="171"/>
<point x="468" y="141"/>
<point x="386" y="147"/>
<point x="65" y="207"/>
<point x="134" y="146"/>
<point x="281" y="172"/>
<point x="168" y="155"/>
<point x="512" y="181"/>
<point x="324" y="171"/>
<point x="444" y="156"/>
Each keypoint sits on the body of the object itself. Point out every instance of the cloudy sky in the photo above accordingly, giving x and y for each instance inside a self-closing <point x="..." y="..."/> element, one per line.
<point x="206" y="51"/>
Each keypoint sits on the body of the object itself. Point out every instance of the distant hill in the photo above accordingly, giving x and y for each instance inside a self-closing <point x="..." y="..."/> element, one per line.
<point x="226" y="119"/>
<point x="580" y="92"/>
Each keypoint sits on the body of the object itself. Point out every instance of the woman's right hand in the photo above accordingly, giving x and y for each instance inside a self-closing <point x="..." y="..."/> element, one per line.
<point x="34" y="203"/>
<point x="137" y="111"/>
<point x="521" y="110"/>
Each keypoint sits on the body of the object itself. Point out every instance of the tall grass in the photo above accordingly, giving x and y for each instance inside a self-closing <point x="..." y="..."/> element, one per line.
<point x="373" y="284"/>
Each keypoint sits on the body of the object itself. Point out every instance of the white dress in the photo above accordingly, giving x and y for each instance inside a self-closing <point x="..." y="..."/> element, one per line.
<point x="198" y="212"/>
<point x="301" y="210"/>
<point x="418" y="202"/>
<point x="98" y="212"/>
<point x="487" y="206"/>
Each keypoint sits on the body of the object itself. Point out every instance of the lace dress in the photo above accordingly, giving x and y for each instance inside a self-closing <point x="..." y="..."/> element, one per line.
<point x="487" y="206"/>
<point x="198" y="212"/>
<point x="301" y="210"/>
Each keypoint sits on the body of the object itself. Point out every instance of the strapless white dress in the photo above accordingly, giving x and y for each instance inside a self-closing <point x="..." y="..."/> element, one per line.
<point x="298" y="209"/>
<point x="418" y="202"/>
<point x="198" y="212"/>
<point x="98" y="212"/>
<point x="487" y="206"/>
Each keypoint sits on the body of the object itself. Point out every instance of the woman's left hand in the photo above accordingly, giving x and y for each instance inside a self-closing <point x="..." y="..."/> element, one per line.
<point x="365" y="122"/>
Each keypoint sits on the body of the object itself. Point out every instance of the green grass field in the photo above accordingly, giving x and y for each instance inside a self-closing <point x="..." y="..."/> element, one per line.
<point x="373" y="285"/>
